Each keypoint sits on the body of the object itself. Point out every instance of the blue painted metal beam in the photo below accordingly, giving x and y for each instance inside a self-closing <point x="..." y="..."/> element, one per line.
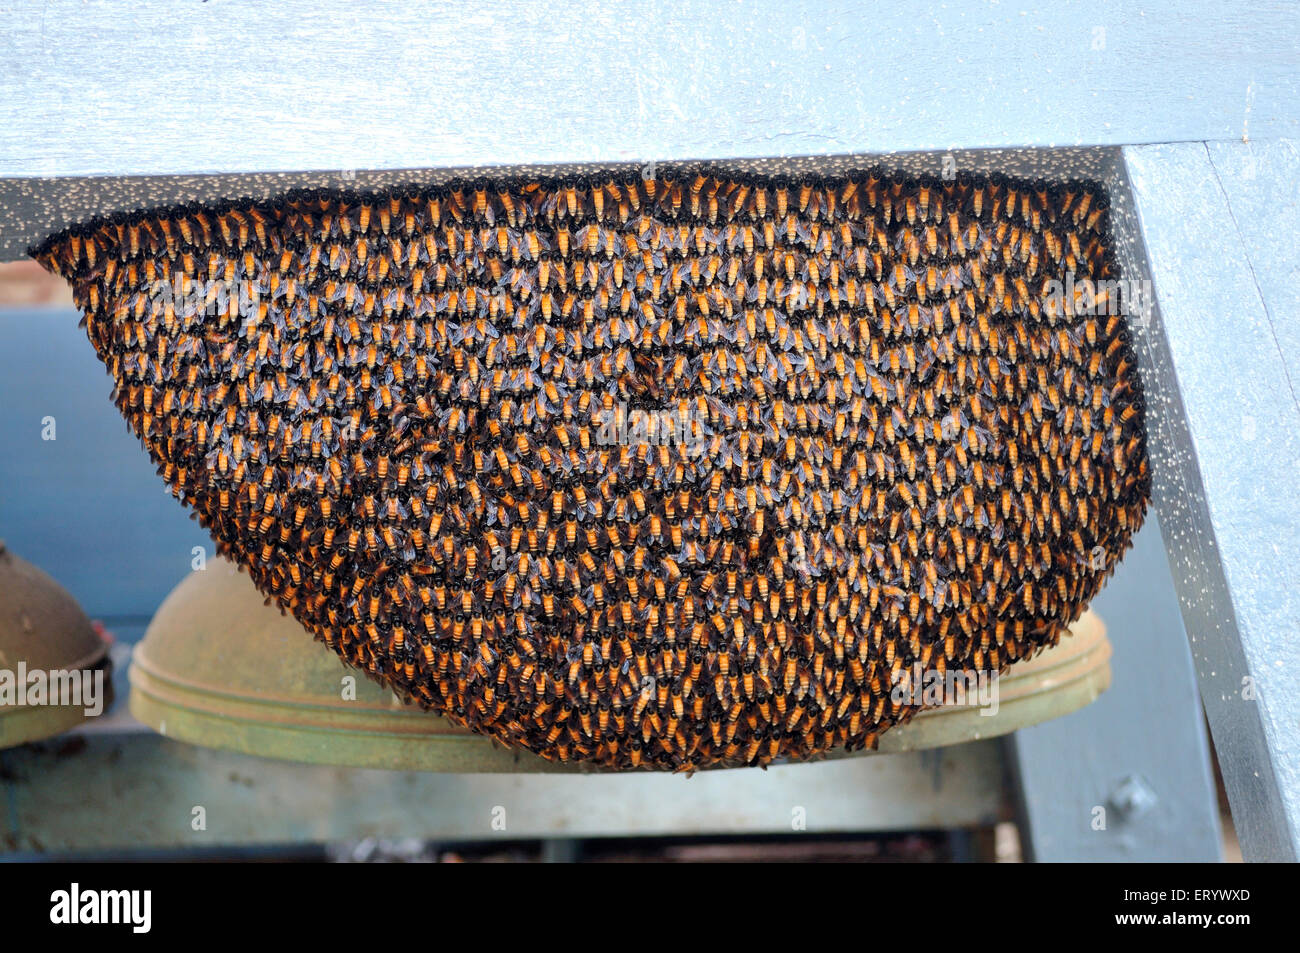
<point x="248" y="87"/>
<point x="89" y="90"/>
<point x="1219" y="227"/>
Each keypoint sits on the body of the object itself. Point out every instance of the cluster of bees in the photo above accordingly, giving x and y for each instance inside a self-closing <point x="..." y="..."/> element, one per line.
<point x="908" y="451"/>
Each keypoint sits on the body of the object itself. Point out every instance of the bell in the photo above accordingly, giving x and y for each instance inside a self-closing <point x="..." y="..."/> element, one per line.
<point x="54" y="667"/>
<point x="219" y="667"/>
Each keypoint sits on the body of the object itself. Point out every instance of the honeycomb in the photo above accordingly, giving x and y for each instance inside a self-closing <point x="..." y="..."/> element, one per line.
<point x="660" y="473"/>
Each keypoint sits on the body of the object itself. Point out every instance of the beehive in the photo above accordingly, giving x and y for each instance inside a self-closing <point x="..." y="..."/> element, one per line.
<point x="663" y="473"/>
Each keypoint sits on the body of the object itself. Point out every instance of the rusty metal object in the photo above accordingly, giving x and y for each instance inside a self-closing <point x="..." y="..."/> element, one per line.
<point x="42" y="629"/>
<point x="219" y="667"/>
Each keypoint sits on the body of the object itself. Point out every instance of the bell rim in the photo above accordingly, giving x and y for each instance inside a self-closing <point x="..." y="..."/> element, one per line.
<point x="1057" y="681"/>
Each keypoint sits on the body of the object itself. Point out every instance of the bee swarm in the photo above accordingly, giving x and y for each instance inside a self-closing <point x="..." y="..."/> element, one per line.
<point x="900" y="445"/>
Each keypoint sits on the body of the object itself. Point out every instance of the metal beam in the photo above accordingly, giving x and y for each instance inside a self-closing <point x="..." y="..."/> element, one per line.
<point x="91" y="92"/>
<point x="92" y="89"/>
<point x="120" y="786"/>
<point x="1225" y="426"/>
